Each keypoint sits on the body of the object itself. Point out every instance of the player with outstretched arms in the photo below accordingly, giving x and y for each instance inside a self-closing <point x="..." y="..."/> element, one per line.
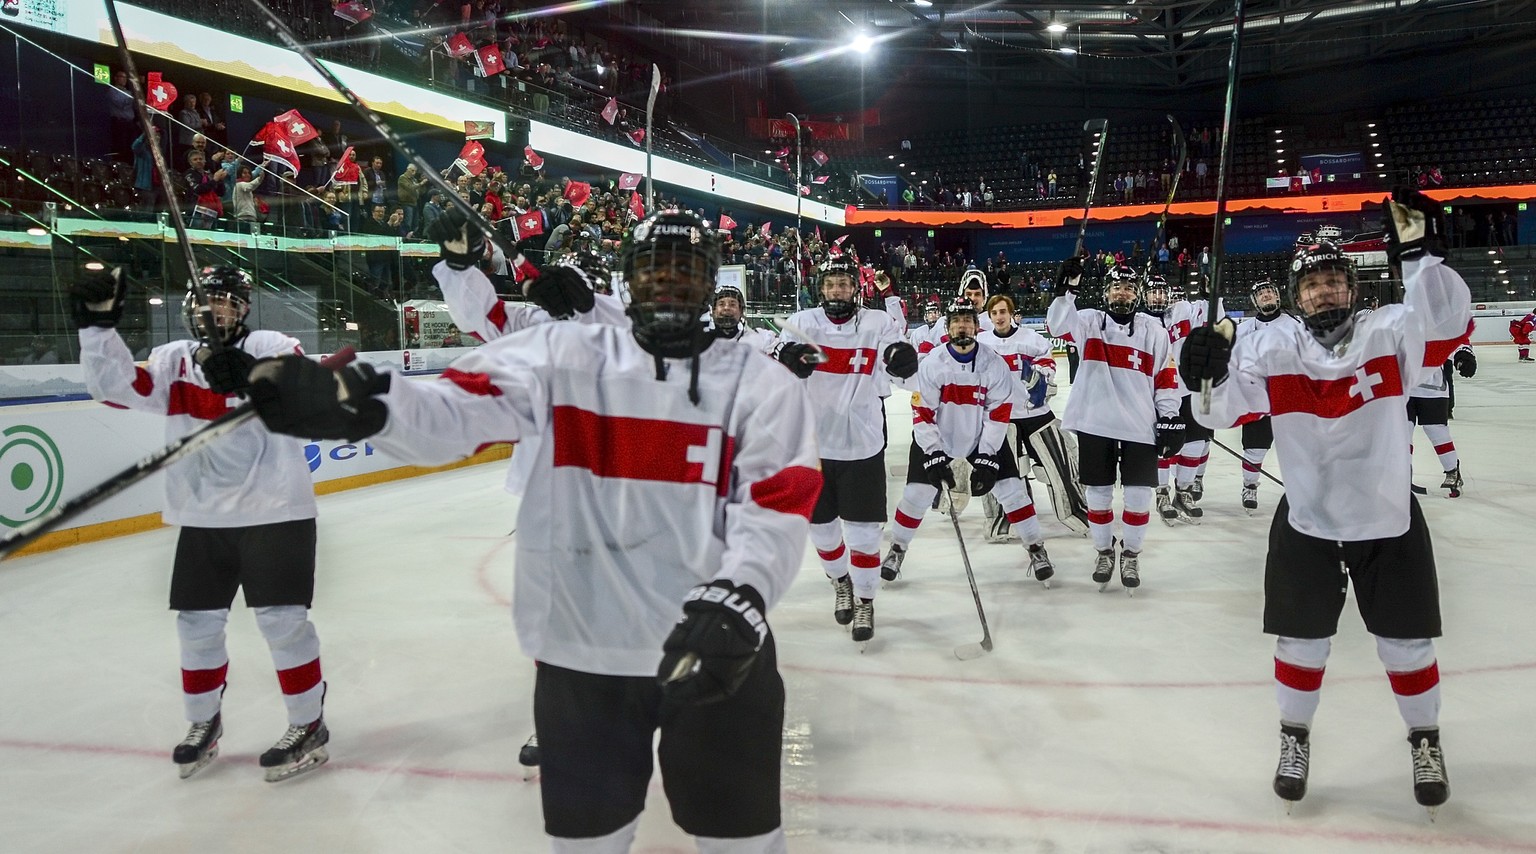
<point x="726" y="320"/>
<point x="1124" y="409"/>
<point x="675" y="478"/>
<point x="860" y="350"/>
<point x="1335" y="393"/>
<point x="246" y="507"/>
<point x="1257" y="433"/>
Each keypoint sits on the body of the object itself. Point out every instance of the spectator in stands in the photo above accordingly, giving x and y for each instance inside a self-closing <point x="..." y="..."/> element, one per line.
<point x="378" y="183"/>
<point x="1050" y="184"/>
<point x="189" y="123"/>
<point x="908" y="198"/>
<point x="243" y="193"/>
<point x="1201" y="170"/>
<point x="123" y="122"/>
<point x="1162" y="260"/>
<point x="408" y="192"/>
<point x="1205" y="265"/>
<point x="146" y="177"/>
<point x="203" y="191"/>
<point x="1120" y="187"/>
<point x="379" y="266"/>
<point x="334" y="217"/>
<point x="212" y="120"/>
<point x="334" y="140"/>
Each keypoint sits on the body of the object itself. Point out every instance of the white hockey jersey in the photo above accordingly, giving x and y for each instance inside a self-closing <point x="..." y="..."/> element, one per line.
<point x="477" y="309"/>
<point x="1338" y="413"/>
<point x="1436" y="382"/>
<point x="847" y="390"/>
<point x="760" y="340"/>
<point x="1255" y="324"/>
<point x="1023" y="348"/>
<point x="1124" y="380"/>
<point x="638" y="494"/>
<point x="962" y="408"/>
<point x="1180" y="318"/>
<point x="248" y="477"/>
<point x="926" y="337"/>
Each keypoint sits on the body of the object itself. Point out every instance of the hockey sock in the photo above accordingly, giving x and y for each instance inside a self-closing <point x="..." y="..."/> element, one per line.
<point x="1018" y="508"/>
<point x="1415" y="678"/>
<point x="827" y="537"/>
<point x="1445" y="449"/>
<point x="864" y="556"/>
<point x="296" y="654"/>
<point x="1101" y="519"/>
<point x="617" y="842"/>
<point x="1299" y="664"/>
<point x="1190" y="462"/>
<point x="1253" y="463"/>
<point x="916" y="498"/>
<point x="1525" y="353"/>
<point x="1164" y="471"/>
<point x="1205" y="458"/>
<point x="204" y="662"/>
<point x="1134" y="515"/>
<point x="771" y="842"/>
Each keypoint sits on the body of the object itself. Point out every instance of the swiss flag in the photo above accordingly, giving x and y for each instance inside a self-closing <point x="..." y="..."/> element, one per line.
<point x="636" y="207"/>
<point x="804" y="190"/>
<point x="472" y="155"/>
<point x="458" y="46"/>
<point x="577" y="192"/>
<point x="637" y="136"/>
<point x="629" y="180"/>
<point x="159" y="94"/>
<point x="726" y="223"/>
<point x="530" y="224"/>
<point x="838" y="242"/>
<point x="352" y="11"/>
<point x="819" y="158"/>
<point x="488" y="61"/>
<point x="767" y="229"/>
<point x="611" y="110"/>
<point x="347" y="170"/>
<point x="532" y="157"/>
<point x="781" y="153"/>
<point x="819" y="179"/>
<point x="299" y="129"/>
<point x="278" y="148"/>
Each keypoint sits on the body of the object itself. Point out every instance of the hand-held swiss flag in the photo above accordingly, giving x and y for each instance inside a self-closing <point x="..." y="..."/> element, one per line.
<point x="767" y="229"/>
<point x="299" y="129"/>
<point x="159" y="94"/>
<point x="530" y="224"/>
<point x="347" y="170"/>
<point x="611" y="110"/>
<point x="278" y="148"/>
<point x="577" y="192"/>
<point x="819" y="157"/>
<point x="636" y="206"/>
<point x="488" y="61"/>
<point x="352" y="11"/>
<point x="820" y="179"/>
<point x="629" y="180"/>
<point x="458" y="45"/>
<point x="726" y="223"/>
<point x="473" y="157"/>
<point x="637" y="136"/>
<point x="534" y="160"/>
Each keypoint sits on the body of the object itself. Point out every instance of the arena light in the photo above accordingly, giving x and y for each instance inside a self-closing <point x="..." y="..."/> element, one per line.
<point x="1057" y="28"/>
<point x="37" y="232"/>
<point x="923" y="3"/>
<point x="156" y="301"/>
<point x="863" y="43"/>
<point x="1068" y="50"/>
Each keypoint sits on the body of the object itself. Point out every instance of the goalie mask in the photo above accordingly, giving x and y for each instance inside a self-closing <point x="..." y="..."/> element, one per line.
<point x="726" y="314"/>
<point x="1266" y="298"/>
<point x="839" y="284"/>
<point x="1157" y="296"/>
<point x="670" y="263"/>
<point x="1122" y="293"/>
<point x="1323" y="287"/>
<point x="229" y="298"/>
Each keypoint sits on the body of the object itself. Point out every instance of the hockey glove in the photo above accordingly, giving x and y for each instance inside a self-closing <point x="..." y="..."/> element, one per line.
<point x="1465" y="362"/>
<point x="984" y="471"/>
<point x="711" y="651"/>
<point x="561" y="290"/>
<point x="460" y="241"/>
<point x="296" y="396"/>
<point x="936" y="470"/>
<point x="1415" y="226"/>
<point x="1207" y="354"/>
<point x="901" y="360"/>
<point x="802" y="359"/>
<point x="1170" y="436"/>
<point x="98" y="297"/>
<point x="227" y="371"/>
<point x="1068" y="275"/>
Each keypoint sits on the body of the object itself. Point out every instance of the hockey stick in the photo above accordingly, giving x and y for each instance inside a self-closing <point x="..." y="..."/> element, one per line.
<point x="1093" y="180"/>
<point x="1178" y="172"/>
<point x="1217" y="443"/>
<point x="821" y="355"/>
<point x="970" y="650"/>
<point x="374" y="120"/>
<point x="1227" y="128"/>
<point x="177" y="450"/>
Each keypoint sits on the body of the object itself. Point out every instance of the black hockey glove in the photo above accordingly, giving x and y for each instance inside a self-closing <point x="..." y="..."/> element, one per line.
<point x="1415" y="226"/>
<point x="297" y="396"/>
<point x="562" y="291"/>
<point x="802" y="359"/>
<point x="1170" y="436"/>
<point x="984" y="471"/>
<point x="97" y="297"/>
<point x="1068" y="275"/>
<point x="1207" y="354"/>
<point x="1465" y="362"/>
<point x="901" y="360"/>
<point x="460" y="241"/>
<point x="227" y="371"/>
<point x="936" y="470"/>
<point x="712" y="649"/>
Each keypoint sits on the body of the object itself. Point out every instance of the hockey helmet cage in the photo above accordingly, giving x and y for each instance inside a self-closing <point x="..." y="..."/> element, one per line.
<point x="229" y="290"/>
<point x="671" y="263"/>
<point x="838" y="265"/>
<point x="1319" y="257"/>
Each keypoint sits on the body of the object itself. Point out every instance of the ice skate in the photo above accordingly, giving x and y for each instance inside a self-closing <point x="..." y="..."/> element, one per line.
<point x="1187" y="504"/>
<point x="1040" y="565"/>
<point x="528" y="756"/>
<point x="1431" y="783"/>
<point x="200" y="747"/>
<point x="1250" y="498"/>
<point x="863" y="622"/>
<point x="1197" y="487"/>
<point x="300" y="750"/>
<point x="1165" y="506"/>
<point x="1452" y="482"/>
<point x="890" y="569"/>
<point x="1130" y="571"/>
<point x="1104" y="568"/>
<point x="1295" y="757"/>
<point x="842" y="609"/>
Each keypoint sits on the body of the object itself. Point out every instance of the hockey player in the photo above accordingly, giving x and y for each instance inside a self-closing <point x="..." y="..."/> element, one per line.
<point x="862" y="350"/>
<point x="973" y="287"/>
<point x="1187" y="464"/>
<point x="1257" y="435"/>
<point x="726" y="320"/>
<point x="1521" y="330"/>
<point x="1429" y="406"/>
<point x="1124" y="409"/>
<point x="965" y="403"/>
<point x="676" y="474"/>
<point x="1033" y="365"/>
<point x="246" y="508"/>
<point x="1335" y="393"/>
<point x="927" y="336"/>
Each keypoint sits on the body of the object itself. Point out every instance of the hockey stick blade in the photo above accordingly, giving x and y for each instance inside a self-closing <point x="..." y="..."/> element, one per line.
<point x="971" y="651"/>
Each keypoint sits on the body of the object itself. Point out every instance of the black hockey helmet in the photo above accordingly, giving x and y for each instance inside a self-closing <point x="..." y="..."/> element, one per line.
<point x="835" y="267"/>
<point x="1156" y="295"/>
<point x="1323" y="313"/>
<point x="960" y="308"/>
<point x="228" y="289"/>
<point x="934" y="308"/>
<point x="727" y="324"/>
<point x="593" y="265"/>
<point x="670" y="262"/>
<point x="1259" y="295"/>
<point x="1119" y="278"/>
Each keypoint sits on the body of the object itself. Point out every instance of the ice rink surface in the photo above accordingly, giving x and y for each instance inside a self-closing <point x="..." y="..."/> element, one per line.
<point x="1101" y="723"/>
